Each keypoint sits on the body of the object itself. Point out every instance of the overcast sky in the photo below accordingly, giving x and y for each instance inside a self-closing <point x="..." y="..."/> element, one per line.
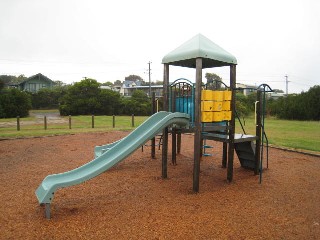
<point x="108" y="40"/>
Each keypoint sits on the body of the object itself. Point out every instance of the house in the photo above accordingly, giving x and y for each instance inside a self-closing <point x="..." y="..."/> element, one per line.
<point x="128" y="91"/>
<point x="128" y="87"/>
<point x="246" y="89"/>
<point x="34" y="83"/>
<point x="275" y="95"/>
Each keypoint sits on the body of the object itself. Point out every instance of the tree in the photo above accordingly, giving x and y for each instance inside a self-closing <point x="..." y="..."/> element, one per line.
<point x="86" y="97"/>
<point x="1" y="84"/>
<point x="110" y="84"/>
<point x="304" y="106"/>
<point x="81" y="98"/>
<point x="133" y="77"/>
<point x="110" y="102"/>
<point x="59" y="83"/>
<point x="139" y="104"/>
<point x="13" y="103"/>
<point x="140" y="96"/>
<point x="213" y="80"/>
<point x="117" y="82"/>
<point x="12" y="79"/>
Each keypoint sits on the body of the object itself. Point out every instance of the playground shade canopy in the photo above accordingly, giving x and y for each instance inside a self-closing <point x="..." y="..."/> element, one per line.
<point x="199" y="47"/>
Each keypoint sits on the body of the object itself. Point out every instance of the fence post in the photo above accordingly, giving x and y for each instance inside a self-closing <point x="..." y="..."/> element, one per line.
<point x="92" y="120"/>
<point x="45" y="122"/>
<point x="132" y="120"/>
<point x="69" y="121"/>
<point x="18" y="123"/>
<point x="113" y="121"/>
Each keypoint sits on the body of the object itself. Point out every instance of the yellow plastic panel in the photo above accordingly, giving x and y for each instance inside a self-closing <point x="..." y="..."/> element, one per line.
<point x="226" y="115"/>
<point x="217" y="116"/>
<point x="206" y="116"/>
<point x="206" y="95"/>
<point x="217" y="95"/>
<point x="217" y="106"/>
<point x="207" y="106"/>
<point x="227" y="95"/>
<point x="226" y="105"/>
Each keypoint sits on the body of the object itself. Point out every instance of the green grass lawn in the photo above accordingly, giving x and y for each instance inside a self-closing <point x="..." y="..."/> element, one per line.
<point x="293" y="134"/>
<point x="34" y="126"/>
<point x="288" y="133"/>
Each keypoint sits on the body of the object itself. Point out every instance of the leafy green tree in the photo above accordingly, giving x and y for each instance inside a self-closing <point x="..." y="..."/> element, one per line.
<point x="1" y="85"/>
<point x="82" y="98"/>
<point x="13" y="103"/>
<point x="110" y="102"/>
<point x="139" y="104"/>
<point x="12" y="79"/>
<point x="133" y="77"/>
<point x="242" y="105"/>
<point x="140" y="96"/>
<point x="117" y="82"/>
<point x="213" y="81"/>
<point x="109" y="84"/>
<point x="304" y="106"/>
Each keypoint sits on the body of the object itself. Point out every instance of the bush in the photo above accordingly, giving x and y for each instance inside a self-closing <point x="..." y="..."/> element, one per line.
<point x="86" y="97"/>
<point x="13" y="103"/>
<point x="304" y="106"/>
<point x="47" y="98"/>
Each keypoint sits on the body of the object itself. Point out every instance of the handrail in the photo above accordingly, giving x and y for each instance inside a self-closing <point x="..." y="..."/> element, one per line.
<point x="267" y="142"/>
<point x="181" y="79"/>
<point x="218" y="81"/>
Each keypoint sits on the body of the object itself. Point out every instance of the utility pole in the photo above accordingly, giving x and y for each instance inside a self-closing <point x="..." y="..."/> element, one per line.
<point x="287" y="82"/>
<point x="149" y="72"/>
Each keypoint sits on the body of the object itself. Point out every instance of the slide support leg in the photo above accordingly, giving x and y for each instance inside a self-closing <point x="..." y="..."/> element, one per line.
<point x="47" y="211"/>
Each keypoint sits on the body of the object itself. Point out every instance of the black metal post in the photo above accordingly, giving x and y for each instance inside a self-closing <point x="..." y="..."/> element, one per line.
<point x="224" y="154"/>
<point x="258" y="133"/>
<point x="232" y="123"/>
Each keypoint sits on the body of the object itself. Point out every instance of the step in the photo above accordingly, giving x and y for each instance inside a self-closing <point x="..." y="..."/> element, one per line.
<point x="206" y="146"/>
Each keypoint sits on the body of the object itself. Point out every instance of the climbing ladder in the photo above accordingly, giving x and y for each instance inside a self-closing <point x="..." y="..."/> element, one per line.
<point x="205" y="147"/>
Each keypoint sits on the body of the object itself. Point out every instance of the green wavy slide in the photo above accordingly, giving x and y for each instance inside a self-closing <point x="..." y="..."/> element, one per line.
<point x="108" y="155"/>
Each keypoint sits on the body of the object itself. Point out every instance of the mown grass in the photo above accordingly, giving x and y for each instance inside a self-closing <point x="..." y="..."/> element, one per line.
<point x="34" y="126"/>
<point x="288" y="133"/>
<point x="292" y="134"/>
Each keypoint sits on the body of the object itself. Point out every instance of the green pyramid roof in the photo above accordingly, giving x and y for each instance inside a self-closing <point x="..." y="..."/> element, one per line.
<point x="199" y="47"/>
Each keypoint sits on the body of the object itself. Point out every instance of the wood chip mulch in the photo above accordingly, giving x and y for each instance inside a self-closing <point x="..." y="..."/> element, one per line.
<point x="132" y="201"/>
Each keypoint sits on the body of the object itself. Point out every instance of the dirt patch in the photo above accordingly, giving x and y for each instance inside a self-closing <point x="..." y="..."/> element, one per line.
<point x="131" y="201"/>
<point x="52" y="118"/>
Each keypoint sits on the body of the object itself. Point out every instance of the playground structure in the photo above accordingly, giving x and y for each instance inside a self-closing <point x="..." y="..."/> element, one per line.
<point x="212" y="113"/>
<point x="188" y="108"/>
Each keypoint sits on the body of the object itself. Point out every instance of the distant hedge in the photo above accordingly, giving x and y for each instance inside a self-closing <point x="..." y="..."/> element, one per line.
<point x="304" y="106"/>
<point x="13" y="103"/>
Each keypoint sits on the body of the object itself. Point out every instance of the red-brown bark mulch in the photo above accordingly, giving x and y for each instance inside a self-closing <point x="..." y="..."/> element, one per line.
<point x="132" y="201"/>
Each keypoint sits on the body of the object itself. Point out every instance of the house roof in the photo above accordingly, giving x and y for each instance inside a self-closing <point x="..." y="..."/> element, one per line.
<point x="39" y="75"/>
<point x="199" y="47"/>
